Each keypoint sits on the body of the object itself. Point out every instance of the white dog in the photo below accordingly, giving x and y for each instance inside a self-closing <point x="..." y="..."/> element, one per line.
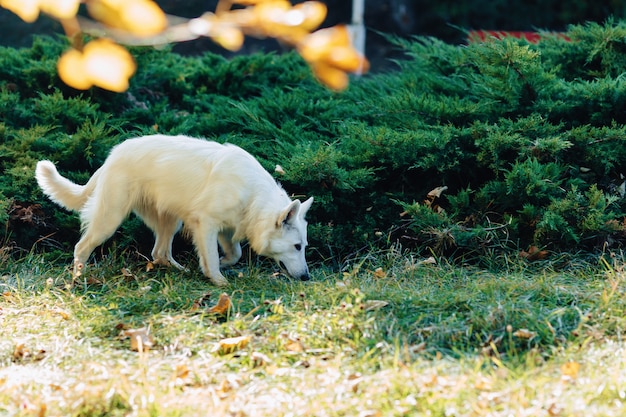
<point x="219" y="192"/>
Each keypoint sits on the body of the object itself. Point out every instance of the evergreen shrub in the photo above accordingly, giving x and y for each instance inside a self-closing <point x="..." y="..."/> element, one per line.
<point x="528" y="139"/>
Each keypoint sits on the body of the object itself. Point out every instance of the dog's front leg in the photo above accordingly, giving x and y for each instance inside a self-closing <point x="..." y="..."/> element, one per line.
<point x="206" y="246"/>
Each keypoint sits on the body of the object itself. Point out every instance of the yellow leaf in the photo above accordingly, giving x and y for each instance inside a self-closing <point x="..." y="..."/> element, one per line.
<point x="231" y="344"/>
<point x="294" y="346"/>
<point x="182" y="371"/>
<point x="27" y="10"/>
<point x="139" y="17"/>
<point x="229" y="37"/>
<point x="570" y="369"/>
<point x="108" y="65"/>
<point x="346" y="58"/>
<point x="72" y="70"/>
<point x="64" y="314"/>
<point x="61" y="9"/>
<point x="314" y="13"/>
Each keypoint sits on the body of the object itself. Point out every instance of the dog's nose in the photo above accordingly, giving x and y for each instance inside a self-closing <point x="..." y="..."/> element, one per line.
<point x="305" y="277"/>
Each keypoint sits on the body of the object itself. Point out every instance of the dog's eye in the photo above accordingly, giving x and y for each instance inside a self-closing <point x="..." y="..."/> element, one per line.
<point x="298" y="247"/>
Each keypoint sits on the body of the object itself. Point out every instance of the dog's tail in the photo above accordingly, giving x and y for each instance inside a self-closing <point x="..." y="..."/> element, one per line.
<point x="61" y="190"/>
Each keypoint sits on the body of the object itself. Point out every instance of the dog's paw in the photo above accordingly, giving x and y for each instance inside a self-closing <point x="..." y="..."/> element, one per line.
<point x="219" y="281"/>
<point x="168" y="263"/>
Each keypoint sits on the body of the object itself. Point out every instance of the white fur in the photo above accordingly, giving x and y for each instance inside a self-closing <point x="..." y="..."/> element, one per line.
<point x="220" y="193"/>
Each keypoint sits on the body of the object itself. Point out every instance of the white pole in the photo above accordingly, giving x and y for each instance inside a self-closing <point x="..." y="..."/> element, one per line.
<point x="357" y="28"/>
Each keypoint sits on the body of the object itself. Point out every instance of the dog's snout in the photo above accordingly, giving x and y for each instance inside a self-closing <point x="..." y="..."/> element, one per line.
<point x="302" y="276"/>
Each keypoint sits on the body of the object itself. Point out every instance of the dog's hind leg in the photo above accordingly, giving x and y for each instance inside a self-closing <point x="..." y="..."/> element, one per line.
<point x="205" y="241"/>
<point x="99" y="222"/>
<point x="164" y="226"/>
<point x="232" y="250"/>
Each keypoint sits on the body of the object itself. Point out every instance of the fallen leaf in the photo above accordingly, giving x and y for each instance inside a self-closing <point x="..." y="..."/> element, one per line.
<point x="379" y="273"/>
<point x="200" y="302"/>
<point x="370" y="305"/>
<point x="260" y="359"/>
<point x="182" y="371"/>
<point x="524" y="334"/>
<point x="428" y="261"/>
<point x="231" y="344"/>
<point x="140" y="339"/>
<point x="21" y="353"/>
<point x="223" y="305"/>
<point x="64" y="314"/>
<point x="127" y="274"/>
<point x="294" y="346"/>
<point x="534" y="254"/>
<point x="279" y="170"/>
<point x="570" y="369"/>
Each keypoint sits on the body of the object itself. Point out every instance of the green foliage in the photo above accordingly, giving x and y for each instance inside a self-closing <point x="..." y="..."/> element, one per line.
<point x="529" y="139"/>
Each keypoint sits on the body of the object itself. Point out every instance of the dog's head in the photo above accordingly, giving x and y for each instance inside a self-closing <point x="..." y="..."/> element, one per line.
<point x="289" y="239"/>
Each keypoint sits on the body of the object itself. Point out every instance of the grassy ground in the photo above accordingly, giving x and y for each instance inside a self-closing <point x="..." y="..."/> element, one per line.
<point x="391" y="335"/>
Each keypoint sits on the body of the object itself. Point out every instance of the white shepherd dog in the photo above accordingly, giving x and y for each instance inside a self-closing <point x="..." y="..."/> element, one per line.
<point x="219" y="192"/>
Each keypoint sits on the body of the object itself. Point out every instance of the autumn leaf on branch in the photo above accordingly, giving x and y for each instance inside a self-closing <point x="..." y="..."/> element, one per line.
<point x="105" y="64"/>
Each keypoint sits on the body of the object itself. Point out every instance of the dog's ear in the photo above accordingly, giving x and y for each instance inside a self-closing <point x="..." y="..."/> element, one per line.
<point x="305" y="207"/>
<point x="289" y="214"/>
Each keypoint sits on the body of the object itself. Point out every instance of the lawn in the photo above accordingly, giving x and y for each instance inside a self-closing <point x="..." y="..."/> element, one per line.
<point x="388" y="335"/>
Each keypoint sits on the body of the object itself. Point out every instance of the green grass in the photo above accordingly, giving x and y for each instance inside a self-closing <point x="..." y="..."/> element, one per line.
<point x="410" y="338"/>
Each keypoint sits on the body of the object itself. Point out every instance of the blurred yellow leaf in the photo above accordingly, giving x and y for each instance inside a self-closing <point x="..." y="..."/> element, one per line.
<point x="318" y="43"/>
<point x="61" y="9"/>
<point x="294" y="346"/>
<point x="102" y="63"/>
<point x="570" y="369"/>
<point x="108" y="65"/>
<point x="334" y="78"/>
<point x="27" y="10"/>
<point x="347" y="59"/>
<point x="64" y="314"/>
<point x="231" y="344"/>
<point x="72" y="71"/>
<point x="314" y="13"/>
<point x="229" y="37"/>
<point x="139" y="17"/>
<point x="181" y="371"/>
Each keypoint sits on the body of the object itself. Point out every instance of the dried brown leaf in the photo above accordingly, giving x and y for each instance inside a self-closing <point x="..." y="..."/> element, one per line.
<point x="223" y="305"/>
<point x="436" y="193"/>
<point x="380" y="273"/>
